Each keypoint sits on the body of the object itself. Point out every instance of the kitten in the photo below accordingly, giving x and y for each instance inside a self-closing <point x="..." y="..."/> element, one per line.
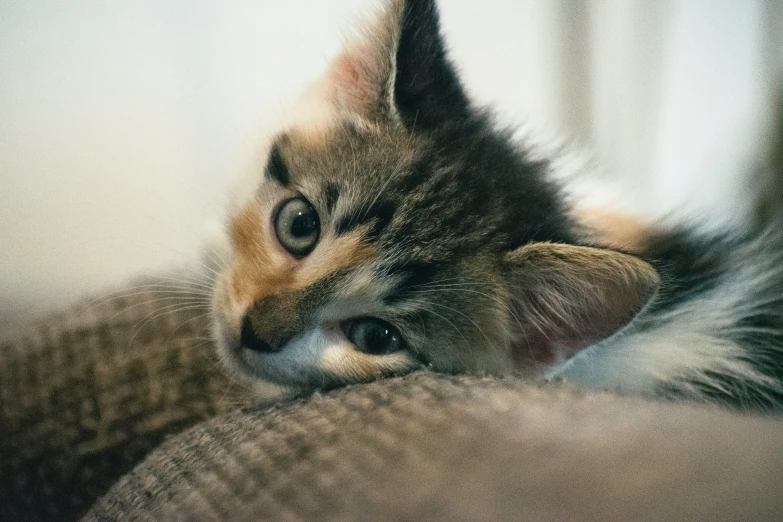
<point x="395" y="227"/>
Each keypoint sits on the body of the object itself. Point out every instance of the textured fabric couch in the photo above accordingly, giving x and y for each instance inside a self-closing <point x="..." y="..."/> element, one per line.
<point x="118" y="410"/>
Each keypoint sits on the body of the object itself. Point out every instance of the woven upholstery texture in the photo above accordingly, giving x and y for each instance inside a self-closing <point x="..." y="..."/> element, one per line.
<point x="429" y="447"/>
<point x="85" y="394"/>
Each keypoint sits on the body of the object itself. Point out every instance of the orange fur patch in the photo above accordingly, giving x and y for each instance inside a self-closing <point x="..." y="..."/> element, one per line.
<point x="336" y="253"/>
<point x="615" y="229"/>
<point x="361" y="367"/>
<point x="263" y="269"/>
<point x="257" y="270"/>
<point x="356" y="366"/>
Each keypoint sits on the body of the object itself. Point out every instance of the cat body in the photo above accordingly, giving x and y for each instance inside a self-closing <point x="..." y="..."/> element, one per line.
<point x="394" y="226"/>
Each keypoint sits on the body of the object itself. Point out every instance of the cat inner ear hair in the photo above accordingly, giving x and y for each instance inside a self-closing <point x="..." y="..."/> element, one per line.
<point x="397" y="70"/>
<point x="568" y="297"/>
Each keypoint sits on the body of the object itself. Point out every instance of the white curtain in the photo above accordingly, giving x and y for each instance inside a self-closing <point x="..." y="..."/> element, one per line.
<point x="674" y="97"/>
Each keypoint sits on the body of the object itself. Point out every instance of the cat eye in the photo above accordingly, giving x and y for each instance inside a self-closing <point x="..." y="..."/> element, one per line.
<point x="373" y="336"/>
<point x="297" y="226"/>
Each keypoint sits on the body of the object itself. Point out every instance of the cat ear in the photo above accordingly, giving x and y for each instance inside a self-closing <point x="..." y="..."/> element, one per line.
<point x="567" y="297"/>
<point x="398" y="69"/>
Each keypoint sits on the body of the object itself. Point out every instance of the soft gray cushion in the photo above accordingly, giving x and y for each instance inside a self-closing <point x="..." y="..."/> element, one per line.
<point x="430" y="447"/>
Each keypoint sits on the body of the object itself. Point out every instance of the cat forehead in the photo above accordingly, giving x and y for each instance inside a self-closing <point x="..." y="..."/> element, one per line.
<point x="401" y="186"/>
<point x="458" y="188"/>
<point x="348" y="152"/>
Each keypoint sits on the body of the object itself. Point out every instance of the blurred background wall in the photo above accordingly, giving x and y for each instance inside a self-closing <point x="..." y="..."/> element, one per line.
<point x="122" y="124"/>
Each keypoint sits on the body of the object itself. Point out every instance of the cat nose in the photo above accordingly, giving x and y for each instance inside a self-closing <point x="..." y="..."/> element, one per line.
<point x="252" y="341"/>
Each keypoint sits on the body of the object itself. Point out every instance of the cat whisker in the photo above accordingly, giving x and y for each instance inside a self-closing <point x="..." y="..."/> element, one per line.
<point x="424" y="304"/>
<point x="166" y="310"/>
<point x="178" y="299"/>
<point x="188" y="321"/>
<point x="152" y="290"/>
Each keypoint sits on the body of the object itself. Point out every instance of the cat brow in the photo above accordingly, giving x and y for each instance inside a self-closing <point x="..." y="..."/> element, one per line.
<point x="276" y="168"/>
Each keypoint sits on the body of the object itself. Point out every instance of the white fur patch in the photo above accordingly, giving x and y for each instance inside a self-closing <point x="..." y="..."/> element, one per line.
<point x="687" y="346"/>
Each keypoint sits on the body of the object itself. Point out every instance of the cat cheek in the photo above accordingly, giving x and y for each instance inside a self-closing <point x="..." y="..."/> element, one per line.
<point x="225" y="308"/>
<point x="345" y="363"/>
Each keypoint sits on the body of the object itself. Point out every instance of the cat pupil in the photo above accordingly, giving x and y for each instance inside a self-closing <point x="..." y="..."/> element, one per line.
<point x="304" y="224"/>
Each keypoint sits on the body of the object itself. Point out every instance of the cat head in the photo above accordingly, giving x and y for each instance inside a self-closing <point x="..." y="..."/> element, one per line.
<point x="394" y="227"/>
